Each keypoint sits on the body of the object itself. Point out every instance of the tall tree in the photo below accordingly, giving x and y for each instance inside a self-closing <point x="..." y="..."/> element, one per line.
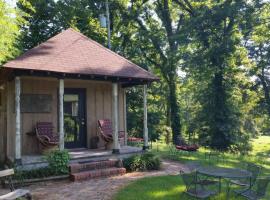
<point x="159" y="28"/>
<point x="42" y="22"/>
<point x="218" y="59"/>
<point x="257" y="41"/>
<point x="10" y="22"/>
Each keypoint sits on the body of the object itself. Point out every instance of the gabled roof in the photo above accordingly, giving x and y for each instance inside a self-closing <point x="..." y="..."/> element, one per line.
<point x="71" y="52"/>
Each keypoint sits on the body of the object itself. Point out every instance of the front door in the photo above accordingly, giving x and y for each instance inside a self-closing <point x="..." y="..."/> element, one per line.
<point x="74" y="117"/>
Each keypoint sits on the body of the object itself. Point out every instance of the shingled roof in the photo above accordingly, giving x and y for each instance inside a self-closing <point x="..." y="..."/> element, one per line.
<point x="71" y="52"/>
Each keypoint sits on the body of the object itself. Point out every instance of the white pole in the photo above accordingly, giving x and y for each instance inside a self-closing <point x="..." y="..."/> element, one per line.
<point x="145" y="127"/>
<point x="61" y="115"/>
<point x="108" y="24"/>
<point x="18" y="119"/>
<point x="115" y="117"/>
<point x="125" y="116"/>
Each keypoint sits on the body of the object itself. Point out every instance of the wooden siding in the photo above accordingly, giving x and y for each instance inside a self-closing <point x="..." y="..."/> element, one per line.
<point x="30" y="144"/>
<point x="3" y="128"/>
<point x="10" y="120"/>
<point x="98" y="105"/>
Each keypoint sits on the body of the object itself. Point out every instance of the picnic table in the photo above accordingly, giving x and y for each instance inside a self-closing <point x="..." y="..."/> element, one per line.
<point x="222" y="172"/>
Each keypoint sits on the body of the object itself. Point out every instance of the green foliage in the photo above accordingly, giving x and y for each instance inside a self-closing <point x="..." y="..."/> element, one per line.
<point x="212" y="58"/>
<point x="10" y="22"/>
<point x="58" y="165"/>
<point x="215" y="62"/>
<point x="58" y="161"/>
<point x="156" y="109"/>
<point x="34" y="173"/>
<point x="142" y="162"/>
<point x="42" y="22"/>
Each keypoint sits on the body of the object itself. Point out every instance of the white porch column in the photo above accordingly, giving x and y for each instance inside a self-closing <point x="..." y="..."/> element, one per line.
<point x="125" y="116"/>
<point x="61" y="114"/>
<point x="18" y="119"/>
<point x="145" y="128"/>
<point x="115" y="117"/>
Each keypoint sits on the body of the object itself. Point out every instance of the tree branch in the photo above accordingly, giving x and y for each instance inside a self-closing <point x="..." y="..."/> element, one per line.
<point x="153" y="40"/>
<point x="189" y="9"/>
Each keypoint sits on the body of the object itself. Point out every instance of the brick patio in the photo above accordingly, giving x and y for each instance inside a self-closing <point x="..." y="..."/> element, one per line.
<point x="96" y="189"/>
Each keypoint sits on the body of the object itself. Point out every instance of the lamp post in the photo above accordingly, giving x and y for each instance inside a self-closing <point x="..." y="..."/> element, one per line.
<point x="105" y="22"/>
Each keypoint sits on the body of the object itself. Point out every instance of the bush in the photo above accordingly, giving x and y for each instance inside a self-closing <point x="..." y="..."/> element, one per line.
<point x="147" y="161"/>
<point x="58" y="161"/>
<point x="34" y="173"/>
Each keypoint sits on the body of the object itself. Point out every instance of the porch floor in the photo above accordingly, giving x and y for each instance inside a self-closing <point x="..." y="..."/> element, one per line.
<point x="81" y="155"/>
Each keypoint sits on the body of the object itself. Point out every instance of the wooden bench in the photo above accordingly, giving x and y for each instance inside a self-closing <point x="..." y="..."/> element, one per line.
<point x="13" y="194"/>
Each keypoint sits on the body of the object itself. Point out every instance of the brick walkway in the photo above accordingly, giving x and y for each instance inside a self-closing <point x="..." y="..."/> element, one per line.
<point x="98" y="189"/>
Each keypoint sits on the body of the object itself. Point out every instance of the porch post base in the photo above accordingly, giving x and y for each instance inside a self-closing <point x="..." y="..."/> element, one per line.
<point x="116" y="151"/>
<point x="145" y="148"/>
<point x="18" y="161"/>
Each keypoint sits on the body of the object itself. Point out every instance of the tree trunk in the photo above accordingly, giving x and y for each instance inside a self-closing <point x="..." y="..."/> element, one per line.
<point x="266" y="92"/>
<point x="168" y="112"/>
<point x="175" y="110"/>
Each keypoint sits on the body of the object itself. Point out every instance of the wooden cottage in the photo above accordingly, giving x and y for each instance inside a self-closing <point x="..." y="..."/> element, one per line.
<point x="70" y="81"/>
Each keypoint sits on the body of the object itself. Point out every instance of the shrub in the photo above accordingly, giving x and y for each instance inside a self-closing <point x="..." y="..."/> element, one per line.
<point x="58" y="161"/>
<point x="34" y="173"/>
<point x="147" y="161"/>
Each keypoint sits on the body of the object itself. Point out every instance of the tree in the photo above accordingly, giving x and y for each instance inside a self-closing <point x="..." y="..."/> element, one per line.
<point x="159" y="27"/>
<point x="258" y="43"/>
<point x="219" y="61"/>
<point x="42" y="22"/>
<point x="10" y="22"/>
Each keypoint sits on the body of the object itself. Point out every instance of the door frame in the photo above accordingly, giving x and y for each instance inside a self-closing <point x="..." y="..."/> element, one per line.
<point x="82" y="104"/>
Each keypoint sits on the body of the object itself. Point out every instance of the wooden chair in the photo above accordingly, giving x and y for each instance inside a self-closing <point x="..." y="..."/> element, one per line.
<point x="13" y="194"/>
<point x="106" y="131"/>
<point x="45" y="134"/>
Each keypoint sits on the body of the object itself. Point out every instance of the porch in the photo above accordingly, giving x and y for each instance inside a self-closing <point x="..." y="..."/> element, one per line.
<point x="81" y="156"/>
<point x="55" y="83"/>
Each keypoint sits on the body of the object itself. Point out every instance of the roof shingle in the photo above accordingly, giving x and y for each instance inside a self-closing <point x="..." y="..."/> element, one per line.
<point x="72" y="52"/>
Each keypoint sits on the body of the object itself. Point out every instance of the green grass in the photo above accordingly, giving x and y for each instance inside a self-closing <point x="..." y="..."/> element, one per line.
<point x="172" y="187"/>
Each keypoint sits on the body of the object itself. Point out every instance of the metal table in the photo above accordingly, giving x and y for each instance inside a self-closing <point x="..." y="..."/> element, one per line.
<point x="221" y="172"/>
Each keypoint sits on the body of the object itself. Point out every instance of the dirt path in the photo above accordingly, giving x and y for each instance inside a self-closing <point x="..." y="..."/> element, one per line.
<point x="97" y="189"/>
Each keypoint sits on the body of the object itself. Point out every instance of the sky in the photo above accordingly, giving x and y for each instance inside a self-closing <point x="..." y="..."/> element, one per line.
<point x="11" y="2"/>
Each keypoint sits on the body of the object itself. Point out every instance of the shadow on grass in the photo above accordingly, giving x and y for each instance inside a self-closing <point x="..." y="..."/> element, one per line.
<point x="160" y="188"/>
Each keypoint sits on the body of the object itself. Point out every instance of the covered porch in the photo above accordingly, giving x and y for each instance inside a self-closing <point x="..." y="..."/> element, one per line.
<point x="81" y="156"/>
<point x="72" y="90"/>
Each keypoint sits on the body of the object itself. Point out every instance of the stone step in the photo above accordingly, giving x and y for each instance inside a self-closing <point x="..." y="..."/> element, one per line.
<point x="88" y="166"/>
<point x="86" y="175"/>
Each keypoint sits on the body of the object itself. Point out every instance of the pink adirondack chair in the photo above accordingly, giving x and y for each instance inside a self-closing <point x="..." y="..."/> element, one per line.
<point x="45" y="134"/>
<point x="106" y="131"/>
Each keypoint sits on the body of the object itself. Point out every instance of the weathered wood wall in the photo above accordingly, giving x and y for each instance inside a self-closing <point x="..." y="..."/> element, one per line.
<point x="3" y="124"/>
<point x="10" y="105"/>
<point x="98" y="105"/>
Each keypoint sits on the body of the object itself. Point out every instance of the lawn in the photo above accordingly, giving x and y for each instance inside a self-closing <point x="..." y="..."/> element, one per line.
<point x="171" y="187"/>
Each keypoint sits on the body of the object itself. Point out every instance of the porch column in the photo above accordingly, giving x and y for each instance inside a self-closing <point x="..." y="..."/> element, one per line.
<point x="115" y="118"/>
<point x="145" y="128"/>
<point x="18" y="120"/>
<point x="61" y="114"/>
<point x="125" y="116"/>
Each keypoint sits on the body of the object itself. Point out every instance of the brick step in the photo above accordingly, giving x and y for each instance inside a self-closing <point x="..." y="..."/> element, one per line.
<point x="87" y="166"/>
<point x="86" y="175"/>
